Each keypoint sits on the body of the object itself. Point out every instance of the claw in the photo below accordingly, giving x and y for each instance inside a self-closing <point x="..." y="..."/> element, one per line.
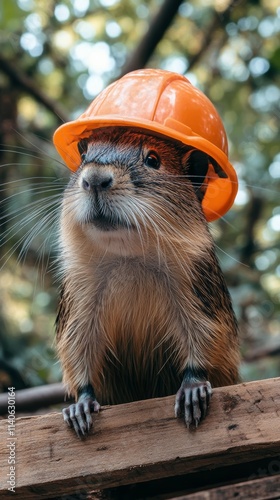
<point x="192" y="401"/>
<point x="78" y="415"/>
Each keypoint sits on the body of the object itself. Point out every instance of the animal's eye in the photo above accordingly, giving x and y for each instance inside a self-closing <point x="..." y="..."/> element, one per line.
<point x="152" y="160"/>
<point x="83" y="156"/>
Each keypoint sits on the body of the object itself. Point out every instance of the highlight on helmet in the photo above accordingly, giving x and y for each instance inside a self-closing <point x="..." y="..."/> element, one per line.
<point x="166" y="104"/>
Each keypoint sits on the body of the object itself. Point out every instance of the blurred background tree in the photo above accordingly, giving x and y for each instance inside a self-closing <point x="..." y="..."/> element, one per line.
<point x="55" y="58"/>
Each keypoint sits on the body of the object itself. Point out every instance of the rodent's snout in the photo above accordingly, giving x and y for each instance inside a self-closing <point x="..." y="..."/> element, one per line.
<point x="93" y="180"/>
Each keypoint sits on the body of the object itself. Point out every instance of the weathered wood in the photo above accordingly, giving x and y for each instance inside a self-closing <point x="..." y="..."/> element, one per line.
<point x="142" y="441"/>
<point x="266" y="488"/>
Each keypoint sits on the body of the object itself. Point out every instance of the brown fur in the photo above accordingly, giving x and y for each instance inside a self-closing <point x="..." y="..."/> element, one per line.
<point x="137" y="308"/>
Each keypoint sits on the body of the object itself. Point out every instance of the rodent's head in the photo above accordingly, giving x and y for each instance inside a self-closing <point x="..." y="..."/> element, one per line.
<point x="134" y="190"/>
<point x="159" y="102"/>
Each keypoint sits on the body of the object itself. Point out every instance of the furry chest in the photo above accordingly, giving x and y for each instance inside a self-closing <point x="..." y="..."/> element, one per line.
<point x="133" y="301"/>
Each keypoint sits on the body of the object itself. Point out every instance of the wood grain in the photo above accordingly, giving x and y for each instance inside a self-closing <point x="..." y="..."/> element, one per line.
<point x="142" y="441"/>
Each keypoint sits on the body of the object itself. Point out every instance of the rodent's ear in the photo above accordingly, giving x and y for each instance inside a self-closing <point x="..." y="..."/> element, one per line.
<point x="197" y="164"/>
<point x="82" y="146"/>
<point x="219" y="171"/>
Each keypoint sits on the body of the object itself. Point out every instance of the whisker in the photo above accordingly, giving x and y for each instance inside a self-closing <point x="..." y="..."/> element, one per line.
<point x="13" y="214"/>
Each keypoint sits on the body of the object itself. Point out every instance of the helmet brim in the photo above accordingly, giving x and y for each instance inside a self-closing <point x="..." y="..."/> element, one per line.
<point x="68" y="135"/>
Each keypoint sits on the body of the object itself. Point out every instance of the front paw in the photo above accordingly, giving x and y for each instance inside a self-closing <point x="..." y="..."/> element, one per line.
<point x="192" y="401"/>
<point x="78" y="415"/>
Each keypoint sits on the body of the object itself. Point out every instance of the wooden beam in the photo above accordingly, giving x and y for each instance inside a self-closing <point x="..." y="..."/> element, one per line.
<point x="265" y="488"/>
<point x="141" y="441"/>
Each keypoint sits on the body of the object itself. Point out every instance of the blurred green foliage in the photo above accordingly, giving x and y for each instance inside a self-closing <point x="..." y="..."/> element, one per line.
<point x="69" y="51"/>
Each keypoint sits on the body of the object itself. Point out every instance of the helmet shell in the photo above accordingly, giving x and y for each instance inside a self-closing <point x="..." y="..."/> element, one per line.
<point x="161" y="103"/>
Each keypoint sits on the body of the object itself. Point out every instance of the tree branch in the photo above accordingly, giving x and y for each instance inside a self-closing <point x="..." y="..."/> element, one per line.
<point x="36" y="397"/>
<point x="263" y="352"/>
<point x="21" y="80"/>
<point x="220" y="19"/>
<point x="254" y="213"/>
<point x="159" y="24"/>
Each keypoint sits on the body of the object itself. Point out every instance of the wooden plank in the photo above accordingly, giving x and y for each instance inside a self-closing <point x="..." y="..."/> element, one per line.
<point x="141" y="441"/>
<point x="266" y="488"/>
<point x="204" y="481"/>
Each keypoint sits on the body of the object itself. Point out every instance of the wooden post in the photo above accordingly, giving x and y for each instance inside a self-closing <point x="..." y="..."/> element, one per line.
<point x="141" y="441"/>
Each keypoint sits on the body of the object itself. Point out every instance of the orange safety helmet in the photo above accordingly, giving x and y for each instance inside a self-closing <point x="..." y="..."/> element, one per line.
<point x="166" y="104"/>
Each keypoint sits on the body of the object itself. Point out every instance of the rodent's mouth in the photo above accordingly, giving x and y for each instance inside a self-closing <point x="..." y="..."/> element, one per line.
<point x="105" y="223"/>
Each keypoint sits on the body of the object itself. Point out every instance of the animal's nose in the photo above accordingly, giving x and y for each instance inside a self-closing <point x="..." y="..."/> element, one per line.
<point x="97" y="180"/>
